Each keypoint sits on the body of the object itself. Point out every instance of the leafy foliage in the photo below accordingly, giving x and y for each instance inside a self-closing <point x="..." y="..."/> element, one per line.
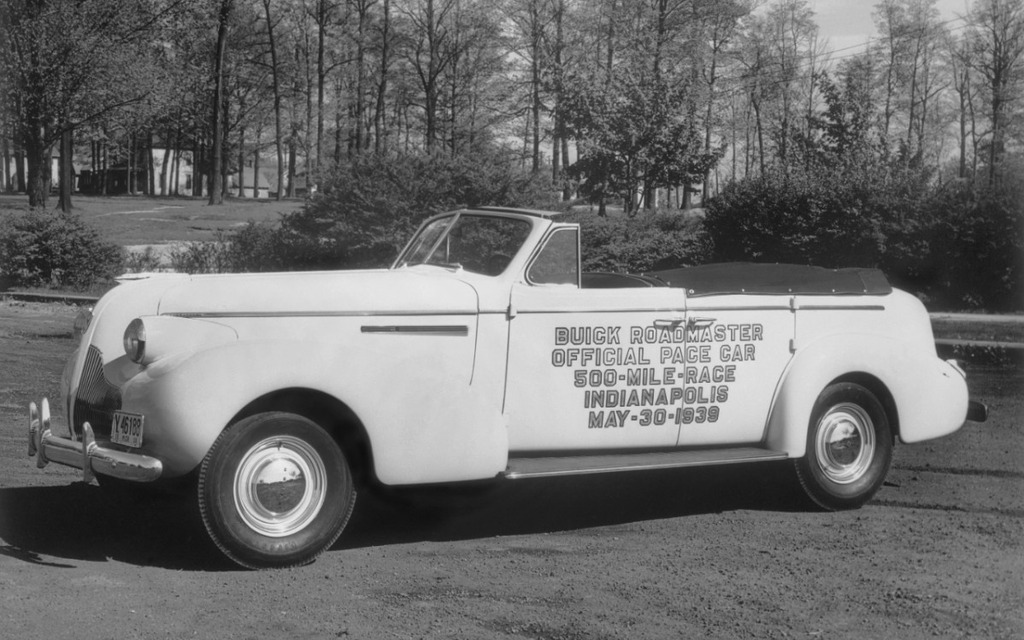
<point x="955" y="248"/>
<point x="368" y="211"/>
<point x="848" y="203"/>
<point x="54" y="249"/>
<point x="633" y="133"/>
<point x="979" y="250"/>
<point x="648" y="242"/>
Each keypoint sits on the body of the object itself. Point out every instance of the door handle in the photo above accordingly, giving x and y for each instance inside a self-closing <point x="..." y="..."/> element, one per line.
<point x="668" y="323"/>
<point x="699" y="323"/>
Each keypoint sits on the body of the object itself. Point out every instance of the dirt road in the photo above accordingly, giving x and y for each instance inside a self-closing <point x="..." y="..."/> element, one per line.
<point x="695" y="553"/>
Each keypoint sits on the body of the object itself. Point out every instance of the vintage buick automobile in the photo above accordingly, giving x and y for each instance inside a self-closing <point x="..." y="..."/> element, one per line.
<point x="484" y="353"/>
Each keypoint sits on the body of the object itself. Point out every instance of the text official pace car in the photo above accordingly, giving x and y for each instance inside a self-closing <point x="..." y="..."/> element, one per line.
<point x="484" y="352"/>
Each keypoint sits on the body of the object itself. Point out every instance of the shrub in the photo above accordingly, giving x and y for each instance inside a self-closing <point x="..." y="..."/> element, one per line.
<point x="646" y="242"/>
<point x="142" y="261"/>
<point x="368" y="210"/>
<point x="820" y="218"/>
<point x="980" y="253"/>
<point x="203" y="257"/>
<point x="55" y="249"/>
<point x="952" y="246"/>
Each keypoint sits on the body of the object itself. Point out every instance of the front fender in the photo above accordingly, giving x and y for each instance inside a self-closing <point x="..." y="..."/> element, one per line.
<point x="930" y="396"/>
<point x="423" y="426"/>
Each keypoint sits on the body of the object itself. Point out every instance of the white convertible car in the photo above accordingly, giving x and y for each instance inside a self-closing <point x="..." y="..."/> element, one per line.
<point x="484" y="352"/>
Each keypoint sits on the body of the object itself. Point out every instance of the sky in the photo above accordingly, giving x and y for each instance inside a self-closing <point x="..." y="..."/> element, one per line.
<point x="848" y="23"/>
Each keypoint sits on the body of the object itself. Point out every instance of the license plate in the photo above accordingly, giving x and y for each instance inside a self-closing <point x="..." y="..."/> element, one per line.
<point x="127" y="429"/>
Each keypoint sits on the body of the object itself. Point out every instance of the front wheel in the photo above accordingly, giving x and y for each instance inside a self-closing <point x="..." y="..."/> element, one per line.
<point x="275" y="490"/>
<point x="849" y="448"/>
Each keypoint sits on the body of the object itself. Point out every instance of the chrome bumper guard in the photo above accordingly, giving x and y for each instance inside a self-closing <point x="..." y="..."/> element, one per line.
<point x="85" y="454"/>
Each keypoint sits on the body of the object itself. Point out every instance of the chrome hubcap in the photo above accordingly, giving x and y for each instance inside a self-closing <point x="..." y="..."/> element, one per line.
<point x="280" y="486"/>
<point x="845" y="443"/>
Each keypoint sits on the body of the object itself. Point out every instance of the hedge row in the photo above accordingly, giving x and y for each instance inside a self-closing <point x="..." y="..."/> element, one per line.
<point x="954" y="246"/>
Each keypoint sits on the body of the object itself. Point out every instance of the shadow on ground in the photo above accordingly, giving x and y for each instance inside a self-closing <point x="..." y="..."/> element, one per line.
<point x="57" y="526"/>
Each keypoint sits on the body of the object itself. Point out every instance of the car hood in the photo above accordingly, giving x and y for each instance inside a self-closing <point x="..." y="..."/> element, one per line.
<point x="370" y="292"/>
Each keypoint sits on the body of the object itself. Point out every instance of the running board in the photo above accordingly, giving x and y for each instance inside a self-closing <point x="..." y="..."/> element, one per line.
<point x="546" y="466"/>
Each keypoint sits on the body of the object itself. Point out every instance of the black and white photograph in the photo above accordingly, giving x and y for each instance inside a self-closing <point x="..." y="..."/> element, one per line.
<point x="511" y="319"/>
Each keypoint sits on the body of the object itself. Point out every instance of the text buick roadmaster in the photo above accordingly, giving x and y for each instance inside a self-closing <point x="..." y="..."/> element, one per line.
<point x="484" y="352"/>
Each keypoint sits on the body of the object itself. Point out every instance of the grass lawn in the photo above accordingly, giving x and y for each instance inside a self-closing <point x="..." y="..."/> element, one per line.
<point x="135" y="220"/>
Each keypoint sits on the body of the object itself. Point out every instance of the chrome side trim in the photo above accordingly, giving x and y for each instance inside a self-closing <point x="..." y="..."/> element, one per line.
<point x="568" y="465"/>
<point x="634" y="310"/>
<point x="320" y="314"/>
<point x="87" y="455"/>
<point x="840" y="307"/>
<point x="765" y="307"/>
<point x="418" y="329"/>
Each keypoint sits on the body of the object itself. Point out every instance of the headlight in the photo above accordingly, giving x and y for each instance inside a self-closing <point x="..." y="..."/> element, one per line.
<point x="82" y="321"/>
<point x="135" y="340"/>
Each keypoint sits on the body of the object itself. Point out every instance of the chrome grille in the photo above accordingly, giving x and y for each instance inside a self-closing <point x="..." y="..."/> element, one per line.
<point x="97" y="399"/>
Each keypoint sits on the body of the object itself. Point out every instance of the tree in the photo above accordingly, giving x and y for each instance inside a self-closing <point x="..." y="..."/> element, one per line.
<point x="430" y="54"/>
<point x="997" y="54"/>
<point x="635" y="133"/>
<point x="71" y="63"/>
<point x="218" y="120"/>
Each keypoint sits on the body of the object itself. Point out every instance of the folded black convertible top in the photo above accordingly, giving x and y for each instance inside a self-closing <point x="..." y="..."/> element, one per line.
<point x="754" y="278"/>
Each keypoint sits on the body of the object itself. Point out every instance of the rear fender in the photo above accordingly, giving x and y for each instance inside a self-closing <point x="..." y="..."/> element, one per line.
<point x="929" y="396"/>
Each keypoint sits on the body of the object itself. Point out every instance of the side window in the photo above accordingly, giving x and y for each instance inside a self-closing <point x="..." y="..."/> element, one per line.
<point x="558" y="261"/>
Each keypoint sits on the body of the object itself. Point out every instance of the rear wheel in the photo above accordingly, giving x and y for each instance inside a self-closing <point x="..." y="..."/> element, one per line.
<point x="275" y="490"/>
<point x="849" y="448"/>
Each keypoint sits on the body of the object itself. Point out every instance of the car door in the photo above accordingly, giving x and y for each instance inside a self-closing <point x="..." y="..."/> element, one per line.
<point x="584" y="368"/>
<point x="737" y="349"/>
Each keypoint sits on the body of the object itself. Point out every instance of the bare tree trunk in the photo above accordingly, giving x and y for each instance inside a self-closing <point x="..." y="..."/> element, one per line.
<point x="176" y="172"/>
<point x="5" y="158"/>
<point x="150" y="166"/>
<point x="165" y="169"/>
<point x="293" y="139"/>
<point x="321" y="86"/>
<point x="256" y="166"/>
<point x="362" y="9"/>
<point x="67" y="170"/>
<point x="216" y="192"/>
<point x="241" y="162"/>
<point x="104" y="168"/>
<point x="567" y="192"/>
<point x="19" y="169"/>
<point x="535" y="80"/>
<point x="760" y="134"/>
<point x="223" y="185"/>
<point x="339" y="138"/>
<point x="380" y="112"/>
<point x="278" y="127"/>
<point x="37" y="144"/>
<point x="129" y="179"/>
<point x="197" y="163"/>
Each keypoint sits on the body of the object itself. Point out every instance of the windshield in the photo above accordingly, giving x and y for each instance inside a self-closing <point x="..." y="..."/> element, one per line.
<point x="481" y="244"/>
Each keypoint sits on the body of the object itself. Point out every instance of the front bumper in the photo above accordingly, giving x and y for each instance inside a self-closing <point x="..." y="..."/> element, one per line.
<point x="85" y="454"/>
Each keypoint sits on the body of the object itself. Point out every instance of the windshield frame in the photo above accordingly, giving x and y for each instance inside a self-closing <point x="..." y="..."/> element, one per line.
<point x="414" y="245"/>
<point x="413" y="253"/>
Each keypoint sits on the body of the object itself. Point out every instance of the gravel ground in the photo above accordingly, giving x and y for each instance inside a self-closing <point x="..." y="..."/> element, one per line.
<point x="719" y="553"/>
